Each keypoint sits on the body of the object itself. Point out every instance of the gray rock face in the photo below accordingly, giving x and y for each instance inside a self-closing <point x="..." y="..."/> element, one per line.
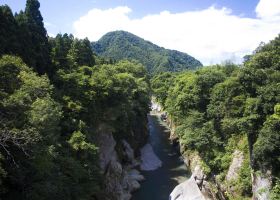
<point x="156" y="107"/>
<point x="107" y="153"/>
<point x="129" y="154"/>
<point x="149" y="160"/>
<point x="187" y="190"/>
<point x="135" y="174"/>
<point x="197" y="171"/>
<point x="261" y="186"/>
<point x="235" y="165"/>
<point x="120" y="180"/>
<point x="128" y="150"/>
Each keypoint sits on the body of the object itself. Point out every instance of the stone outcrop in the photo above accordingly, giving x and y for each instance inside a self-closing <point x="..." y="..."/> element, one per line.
<point x="156" y="107"/>
<point x="261" y="185"/>
<point x="119" y="179"/>
<point x="187" y="190"/>
<point x="149" y="160"/>
<point x="129" y="154"/>
<point x="235" y="165"/>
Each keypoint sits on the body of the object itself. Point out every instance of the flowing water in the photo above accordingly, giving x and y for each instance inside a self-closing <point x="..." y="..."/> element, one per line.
<point x="160" y="182"/>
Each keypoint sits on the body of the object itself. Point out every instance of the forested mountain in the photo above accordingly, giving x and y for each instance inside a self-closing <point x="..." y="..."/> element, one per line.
<point x="221" y="110"/>
<point x="119" y="45"/>
<point x="56" y="99"/>
<point x="70" y="109"/>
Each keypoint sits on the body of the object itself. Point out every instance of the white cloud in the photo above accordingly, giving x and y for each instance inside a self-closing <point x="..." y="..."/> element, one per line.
<point x="98" y="22"/>
<point x="268" y="8"/>
<point x="211" y="35"/>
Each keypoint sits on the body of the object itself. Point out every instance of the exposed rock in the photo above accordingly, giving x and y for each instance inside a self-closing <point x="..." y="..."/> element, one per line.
<point x="156" y="107"/>
<point x="209" y="190"/>
<point x="126" y="196"/>
<point x="261" y="185"/>
<point x="119" y="180"/>
<point x="149" y="160"/>
<point x="235" y="165"/>
<point x="128" y="150"/>
<point x="129" y="154"/>
<point x="193" y="161"/>
<point x="134" y="185"/>
<point x="131" y="180"/>
<point x="106" y="144"/>
<point x="135" y="174"/>
<point x="198" y="172"/>
<point x="187" y="190"/>
<point x="113" y="177"/>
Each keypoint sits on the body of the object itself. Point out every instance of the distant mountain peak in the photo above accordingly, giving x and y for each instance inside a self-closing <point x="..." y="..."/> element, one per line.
<point x="120" y="45"/>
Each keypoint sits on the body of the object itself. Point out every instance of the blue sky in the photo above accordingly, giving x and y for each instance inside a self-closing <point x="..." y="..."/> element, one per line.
<point x="59" y="15"/>
<point x="211" y="30"/>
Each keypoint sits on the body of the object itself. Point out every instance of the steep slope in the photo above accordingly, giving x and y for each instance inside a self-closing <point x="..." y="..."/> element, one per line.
<point x="123" y="45"/>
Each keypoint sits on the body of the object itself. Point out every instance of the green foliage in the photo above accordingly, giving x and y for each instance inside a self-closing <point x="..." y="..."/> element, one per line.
<point x="275" y="192"/>
<point x="9" y="31"/>
<point x="192" y="90"/>
<point x="3" y="175"/>
<point x="55" y="139"/>
<point x="68" y="53"/>
<point x="277" y="111"/>
<point x="120" y="45"/>
<point x="78" y="142"/>
<point x="10" y="69"/>
<point x="80" y="53"/>
<point x="161" y="84"/>
<point x="244" y="183"/>
<point x="227" y="100"/>
<point x="48" y="146"/>
<point x="24" y="35"/>
<point x="214" y="107"/>
<point x="48" y="132"/>
<point x="266" y="148"/>
<point x="45" y="114"/>
<point x="34" y="48"/>
<point x="29" y="120"/>
<point x="60" y="46"/>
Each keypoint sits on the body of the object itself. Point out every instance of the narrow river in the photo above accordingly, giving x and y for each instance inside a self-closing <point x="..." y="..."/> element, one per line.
<point x="160" y="182"/>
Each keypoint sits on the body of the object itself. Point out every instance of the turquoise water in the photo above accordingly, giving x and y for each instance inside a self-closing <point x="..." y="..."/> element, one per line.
<point x="160" y="183"/>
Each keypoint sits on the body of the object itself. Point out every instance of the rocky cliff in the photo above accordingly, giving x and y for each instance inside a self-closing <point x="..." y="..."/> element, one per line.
<point x="118" y="166"/>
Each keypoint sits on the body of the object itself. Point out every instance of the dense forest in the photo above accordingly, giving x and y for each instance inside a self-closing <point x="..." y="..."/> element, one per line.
<point x="219" y="109"/>
<point x="119" y="45"/>
<point x="54" y="95"/>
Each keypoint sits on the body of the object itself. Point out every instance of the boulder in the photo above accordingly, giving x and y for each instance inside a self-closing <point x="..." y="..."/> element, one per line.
<point x="135" y="174"/>
<point x="187" y="190"/>
<point x="149" y="160"/>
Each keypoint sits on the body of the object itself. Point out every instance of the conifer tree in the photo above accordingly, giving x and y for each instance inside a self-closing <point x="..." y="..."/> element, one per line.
<point x="8" y="31"/>
<point x="39" y="50"/>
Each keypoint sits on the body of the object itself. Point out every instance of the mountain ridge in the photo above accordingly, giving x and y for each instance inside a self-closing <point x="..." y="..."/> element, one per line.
<point x="120" y="45"/>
